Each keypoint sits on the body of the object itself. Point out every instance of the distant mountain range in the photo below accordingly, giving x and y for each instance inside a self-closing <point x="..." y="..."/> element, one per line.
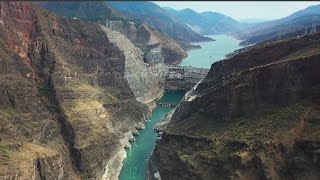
<point x="253" y="20"/>
<point x="156" y="17"/>
<point x="206" y="22"/>
<point x="290" y="26"/>
<point x="186" y="26"/>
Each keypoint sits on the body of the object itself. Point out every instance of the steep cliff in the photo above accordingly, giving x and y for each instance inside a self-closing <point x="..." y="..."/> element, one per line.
<point x="143" y="83"/>
<point x="64" y="98"/>
<point x="254" y="116"/>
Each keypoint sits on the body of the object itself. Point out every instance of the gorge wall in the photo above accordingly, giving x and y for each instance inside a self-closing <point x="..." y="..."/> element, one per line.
<point x="144" y="84"/>
<point x="65" y="100"/>
<point x="254" y="116"/>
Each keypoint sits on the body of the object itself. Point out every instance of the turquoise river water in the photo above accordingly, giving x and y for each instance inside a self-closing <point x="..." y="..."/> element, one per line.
<point x="135" y="165"/>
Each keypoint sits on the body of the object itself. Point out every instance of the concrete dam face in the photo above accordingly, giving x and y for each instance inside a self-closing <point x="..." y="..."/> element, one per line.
<point x="178" y="77"/>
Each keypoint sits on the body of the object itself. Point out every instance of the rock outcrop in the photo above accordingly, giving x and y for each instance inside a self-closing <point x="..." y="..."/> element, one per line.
<point x="254" y="116"/>
<point x="64" y="98"/>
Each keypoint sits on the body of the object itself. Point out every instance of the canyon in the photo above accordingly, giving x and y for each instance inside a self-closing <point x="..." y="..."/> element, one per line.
<point x="78" y="87"/>
<point x="73" y="93"/>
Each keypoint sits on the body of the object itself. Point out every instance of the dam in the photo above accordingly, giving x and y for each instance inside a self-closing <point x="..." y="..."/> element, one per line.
<point x="178" y="77"/>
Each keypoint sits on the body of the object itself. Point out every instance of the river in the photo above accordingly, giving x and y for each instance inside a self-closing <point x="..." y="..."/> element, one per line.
<point x="135" y="165"/>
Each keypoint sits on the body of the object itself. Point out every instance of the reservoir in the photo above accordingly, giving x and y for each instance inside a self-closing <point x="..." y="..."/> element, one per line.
<point x="135" y="165"/>
<point x="211" y="51"/>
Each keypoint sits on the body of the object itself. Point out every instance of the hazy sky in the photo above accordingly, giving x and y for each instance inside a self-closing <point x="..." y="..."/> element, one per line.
<point x="243" y="9"/>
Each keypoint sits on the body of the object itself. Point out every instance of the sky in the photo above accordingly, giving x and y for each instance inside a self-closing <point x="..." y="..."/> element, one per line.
<point x="240" y="10"/>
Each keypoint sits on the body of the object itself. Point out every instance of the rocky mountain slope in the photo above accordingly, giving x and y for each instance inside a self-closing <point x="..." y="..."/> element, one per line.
<point x="93" y="11"/>
<point x="65" y="96"/>
<point x="206" y="23"/>
<point x="142" y="82"/>
<point x="254" y="116"/>
<point x="156" y="17"/>
<point x="143" y="36"/>
<point x="287" y="27"/>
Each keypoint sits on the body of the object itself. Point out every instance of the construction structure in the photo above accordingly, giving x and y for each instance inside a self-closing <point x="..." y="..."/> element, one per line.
<point x="154" y="56"/>
<point x="306" y="31"/>
<point x="117" y="25"/>
<point x="313" y="28"/>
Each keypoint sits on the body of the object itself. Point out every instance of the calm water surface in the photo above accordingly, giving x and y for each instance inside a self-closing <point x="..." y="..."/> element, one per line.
<point x="135" y="165"/>
<point x="211" y="51"/>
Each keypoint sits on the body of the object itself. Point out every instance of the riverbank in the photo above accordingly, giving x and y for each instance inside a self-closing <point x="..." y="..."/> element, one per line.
<point x="114" y="166"/>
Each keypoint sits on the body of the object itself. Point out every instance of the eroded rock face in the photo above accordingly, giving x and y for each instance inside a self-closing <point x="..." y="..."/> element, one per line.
<point x="148" y="38"/>
<point x="64" y="101"/>
<point x="255" y="116"/>
<point x="143" y="83"/>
